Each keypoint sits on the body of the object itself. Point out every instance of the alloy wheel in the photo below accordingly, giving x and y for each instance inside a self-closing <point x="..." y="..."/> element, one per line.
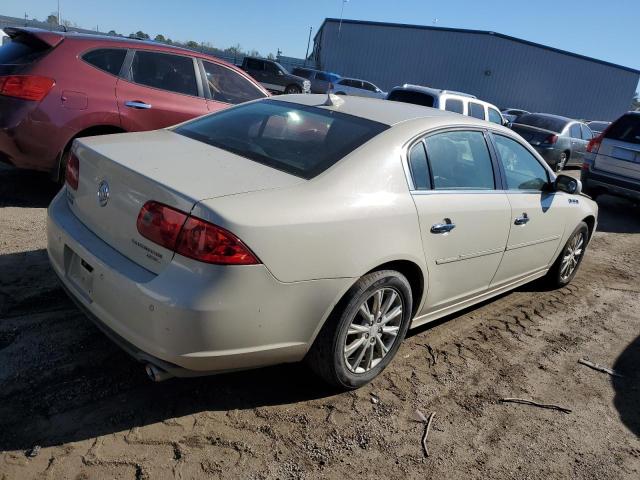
<point x="572" y="255"/>
<point x="373" y="330"/>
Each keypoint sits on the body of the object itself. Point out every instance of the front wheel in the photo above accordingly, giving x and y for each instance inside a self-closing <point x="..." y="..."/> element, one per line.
<point x="570" y="258"/>
<point x="364" y="331"/>
<point x="292" y="89"/>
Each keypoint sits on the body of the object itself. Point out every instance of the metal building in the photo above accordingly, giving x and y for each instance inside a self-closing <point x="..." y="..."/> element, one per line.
<point x="503" y="70"/>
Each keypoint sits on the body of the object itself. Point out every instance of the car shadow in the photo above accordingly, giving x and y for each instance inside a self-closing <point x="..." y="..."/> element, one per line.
<point x="62" y="380"/>
<point x="627" y="387"/>
<point x="618" y="215"/>
<point x="25" y="188"/>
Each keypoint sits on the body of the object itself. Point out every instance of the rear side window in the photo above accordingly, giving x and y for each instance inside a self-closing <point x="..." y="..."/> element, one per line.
<point x="453" y="105"/>
<point x="296" y="139"/>
<point x="369" y="86"/>
<point x="106" y="59"/>
<point x="22" y="50"/>
<point x="494" y="116"/>
<point x="228" y="86"/>
<point x="174" y="73"/>
<point x="574" y="131"/>
<point x="407" y="96"/>
<point x="301" y="73"/>
<point x="476" y="110"/>
<point x="521" y="168"/>
<point x="254" y="64"/>
<point x="587" y="134"/>
<point x="418" y="167"/>
<point x="625" y="129"/>
<point x="460" y="161"/>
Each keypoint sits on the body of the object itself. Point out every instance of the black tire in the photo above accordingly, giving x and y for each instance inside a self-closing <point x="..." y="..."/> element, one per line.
<point x="562" y="162"/>
<point x="292" y="89"/>
<point x="60" y="175"/>
<point x="326" y="356"/>
<point x="554" y="277"/>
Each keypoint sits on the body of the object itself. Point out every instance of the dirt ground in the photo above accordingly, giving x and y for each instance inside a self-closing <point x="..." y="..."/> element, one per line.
<point x="72" y="405"/>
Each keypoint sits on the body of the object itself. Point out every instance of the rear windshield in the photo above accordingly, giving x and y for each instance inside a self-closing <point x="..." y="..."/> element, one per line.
<point x="22" y="50"/>
<point x="408" y="96"/>
<point x="625" y="129"/>
<point x="548" y="123"/>
<point x="297" y="139"/>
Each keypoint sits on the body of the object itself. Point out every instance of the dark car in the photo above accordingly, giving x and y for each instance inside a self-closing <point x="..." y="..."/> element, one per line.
<point x="560" y="140"/>
<point x="274" y="77"/>
<point x="612" y="163"/>
<point x="320" y="80"/>
<point x="56" y="87"/>
<point x="597" y="126"/>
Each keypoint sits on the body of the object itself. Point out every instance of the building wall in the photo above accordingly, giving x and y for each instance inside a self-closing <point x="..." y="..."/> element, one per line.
<point x="505" y="72"/>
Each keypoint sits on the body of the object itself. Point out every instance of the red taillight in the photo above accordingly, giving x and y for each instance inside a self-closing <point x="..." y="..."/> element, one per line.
<point x="160" y="224"/>
<point x="191" y="236"/>
<point x="26" y="87"/>
<point x="594" y="143"/>
<point x="72" y="172"/>
<point x="209" y="243"/>
<point x="551" y="139"/>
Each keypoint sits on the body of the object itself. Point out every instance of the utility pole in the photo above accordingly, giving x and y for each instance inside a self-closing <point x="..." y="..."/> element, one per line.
<point x="308" y="42"/>
<point x="344" y="2"/>
<point x="26" y="22"/>
<point x="59" y="19"/>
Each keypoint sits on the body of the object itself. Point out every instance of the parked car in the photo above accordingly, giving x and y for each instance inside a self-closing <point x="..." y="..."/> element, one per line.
<point x="361" y="88"/>
<point x="449" y="100"/>
<point x="612" y="162"/>
<point x="291" y="229"/>
<point x="274" y="77"/>
<point x="560" y="140"/>
<point x="56" y="87"/>
<point x="597" y="127"/>
<point x="320" y="80"/>
<point x="511" y="114"/>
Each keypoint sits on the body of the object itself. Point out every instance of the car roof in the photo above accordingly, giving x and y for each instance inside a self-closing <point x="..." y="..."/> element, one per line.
<point x="557" y="117"/>
<point x="378" y="110"/>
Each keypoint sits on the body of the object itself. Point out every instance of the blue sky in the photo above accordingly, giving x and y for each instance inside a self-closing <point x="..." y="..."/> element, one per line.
<point x="604" y="30"/>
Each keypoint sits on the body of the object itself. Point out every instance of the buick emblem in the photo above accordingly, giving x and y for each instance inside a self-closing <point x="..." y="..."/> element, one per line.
<point x="103" y="193"/>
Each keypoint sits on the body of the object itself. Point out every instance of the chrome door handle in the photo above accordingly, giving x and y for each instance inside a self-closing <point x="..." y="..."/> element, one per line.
<point x="522" y="220"/>
<point x="445" y="227"/>
<point x="137" y="104"/>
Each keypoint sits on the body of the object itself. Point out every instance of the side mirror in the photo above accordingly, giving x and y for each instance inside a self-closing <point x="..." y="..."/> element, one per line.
<point x="565" y="183"/>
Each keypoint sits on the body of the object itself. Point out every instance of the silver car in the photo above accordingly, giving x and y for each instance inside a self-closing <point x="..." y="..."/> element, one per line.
<point x="361" y="88"/>
<point x="305" y="227"/>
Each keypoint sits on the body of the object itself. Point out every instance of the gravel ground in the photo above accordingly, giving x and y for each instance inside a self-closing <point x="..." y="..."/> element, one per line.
<point x="72" y="405"/>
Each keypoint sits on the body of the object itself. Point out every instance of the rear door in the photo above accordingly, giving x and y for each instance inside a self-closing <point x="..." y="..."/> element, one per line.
<point x="476" y="110"/>
<point x="537" y="217"/>
<point x="159" y="90"/>
<point x="619" y="152"/>
<point x="464" y="219"/>
<point x="578" y="145"/>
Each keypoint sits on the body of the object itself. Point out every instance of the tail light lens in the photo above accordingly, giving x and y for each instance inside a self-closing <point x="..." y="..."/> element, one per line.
<point x="551" y="139"/>
<point x="26" y="87"/>
<point x="72" y="172"/>
<point x="192" y="237"/>
<point x="594" y="143"/>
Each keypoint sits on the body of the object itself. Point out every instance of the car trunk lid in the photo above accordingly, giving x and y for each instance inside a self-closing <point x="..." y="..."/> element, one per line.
<point x="533" y="135"/>
<point x="160" y="166"/>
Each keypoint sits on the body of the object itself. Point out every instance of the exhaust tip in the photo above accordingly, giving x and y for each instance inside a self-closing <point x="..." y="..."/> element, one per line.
<point x="156" y="374"/>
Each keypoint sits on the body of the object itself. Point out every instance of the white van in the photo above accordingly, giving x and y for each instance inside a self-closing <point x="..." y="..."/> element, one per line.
<point x="449" y="100"/>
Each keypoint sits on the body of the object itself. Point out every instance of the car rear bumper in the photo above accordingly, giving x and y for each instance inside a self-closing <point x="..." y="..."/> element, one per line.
<point x="595" y="180"/>
<point x="191" y="318"/>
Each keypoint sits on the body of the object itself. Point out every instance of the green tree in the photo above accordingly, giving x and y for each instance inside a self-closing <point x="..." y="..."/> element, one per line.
<point x="169" y="41"/>
<point x="271" y="56"/>
<point x="192" y="44"/>
<point x="113" y="33"/>
<point x="141" y="34"/>
<point x="52" y="20"/>
<point x="254" y="53"/>
<point x="160" y="38"/>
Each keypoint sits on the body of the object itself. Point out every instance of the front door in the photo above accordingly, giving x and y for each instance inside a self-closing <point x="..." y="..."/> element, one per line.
<point x="464" y="219"/>
<point x="159" y="90"/>
<point x="537" y="216"/>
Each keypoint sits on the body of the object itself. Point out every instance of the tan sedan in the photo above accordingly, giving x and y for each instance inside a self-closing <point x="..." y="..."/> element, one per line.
<point x="305" y="227"/>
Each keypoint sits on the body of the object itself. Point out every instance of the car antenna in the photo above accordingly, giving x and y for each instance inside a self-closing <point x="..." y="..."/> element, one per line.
<point x="332" y="100"/>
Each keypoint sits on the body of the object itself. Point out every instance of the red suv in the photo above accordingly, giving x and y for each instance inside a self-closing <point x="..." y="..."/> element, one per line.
<point x="55" y="87"/>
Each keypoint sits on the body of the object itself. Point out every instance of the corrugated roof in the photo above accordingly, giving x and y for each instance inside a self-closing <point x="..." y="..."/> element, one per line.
<point x="480" y="32"/>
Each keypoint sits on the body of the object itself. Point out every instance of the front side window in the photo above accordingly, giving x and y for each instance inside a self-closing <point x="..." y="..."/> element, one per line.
<point x="419" y="168"/>
<point x="476" y="110"/>
<point x="494" y="116"/>
<point x="106" y="59"/>
<point x="453" y="105"/>
<point x="300" y="72"/>
<point x="460" y="160"/>
<point x="228" y="86"/>
<point x="174" y="73"/>
<point x="522" y="169"/>
<point x="297" y="139"/>
<point x="254" y="64"/>
<point x="272" y="68"/>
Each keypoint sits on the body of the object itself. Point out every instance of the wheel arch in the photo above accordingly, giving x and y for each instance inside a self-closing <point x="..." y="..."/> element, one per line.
<point x="414" y="275"/>
<point x="590" y="220"/>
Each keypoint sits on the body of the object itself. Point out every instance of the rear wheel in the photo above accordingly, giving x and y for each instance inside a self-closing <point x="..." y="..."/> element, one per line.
<point x="570" y="258"/>
<point x="292" y="89"/>
<point x="364" y="331"/>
